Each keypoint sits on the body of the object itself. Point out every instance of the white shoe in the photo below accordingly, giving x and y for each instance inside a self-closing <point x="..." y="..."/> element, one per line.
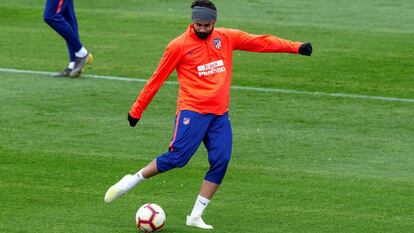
<point x="119" y="189"/>
<point x="197" y="222"/>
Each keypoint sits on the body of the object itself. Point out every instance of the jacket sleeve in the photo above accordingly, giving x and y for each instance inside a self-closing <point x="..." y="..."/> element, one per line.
<point x="262" y="43"/>
<point x="167" y="64"/>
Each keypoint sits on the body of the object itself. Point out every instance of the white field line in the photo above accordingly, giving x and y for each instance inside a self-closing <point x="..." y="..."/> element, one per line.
<point x="258" y="89"/>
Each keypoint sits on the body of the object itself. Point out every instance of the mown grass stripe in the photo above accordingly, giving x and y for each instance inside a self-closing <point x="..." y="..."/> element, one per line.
<point x="258" y="89"/>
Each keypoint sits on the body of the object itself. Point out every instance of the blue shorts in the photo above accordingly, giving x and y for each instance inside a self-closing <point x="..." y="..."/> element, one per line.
<point x="192" y="128"/>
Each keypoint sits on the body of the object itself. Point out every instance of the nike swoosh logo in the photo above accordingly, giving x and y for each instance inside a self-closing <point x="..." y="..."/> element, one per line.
<point x="202" y="203"/>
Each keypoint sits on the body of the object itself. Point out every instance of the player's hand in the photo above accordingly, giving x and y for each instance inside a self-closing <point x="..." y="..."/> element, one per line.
<point x="305" y="49"/>
<point x="132" y="121"/>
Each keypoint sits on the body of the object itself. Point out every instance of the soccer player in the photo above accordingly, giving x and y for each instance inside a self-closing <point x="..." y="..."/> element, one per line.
<point x="60" y="15"/>
<point x="202" y="57"/>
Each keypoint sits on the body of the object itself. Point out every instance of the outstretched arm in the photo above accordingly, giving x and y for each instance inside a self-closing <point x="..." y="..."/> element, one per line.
<point x="166" y="66"/>
<point x="267" y="43"/>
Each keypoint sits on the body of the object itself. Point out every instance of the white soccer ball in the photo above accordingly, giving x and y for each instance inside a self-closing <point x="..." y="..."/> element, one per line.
<point x="150" y="217"/>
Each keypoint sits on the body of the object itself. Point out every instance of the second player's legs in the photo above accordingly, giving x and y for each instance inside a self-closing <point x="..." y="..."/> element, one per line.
<point x="70" y="16"/>
<point x="53" y="16"/>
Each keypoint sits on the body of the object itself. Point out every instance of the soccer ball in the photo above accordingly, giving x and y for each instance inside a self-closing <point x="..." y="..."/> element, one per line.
<point x="150" y="217"/>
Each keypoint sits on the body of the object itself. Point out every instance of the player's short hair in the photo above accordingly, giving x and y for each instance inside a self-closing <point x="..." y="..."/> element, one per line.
<point x="204" y="3"/>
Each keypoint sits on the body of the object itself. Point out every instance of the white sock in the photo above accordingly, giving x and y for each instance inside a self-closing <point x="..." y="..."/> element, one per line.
<point x="139" y="176"/>
<point x="82" y="52"/>
<point x="71" y="65"/>
<point x="199" y="206"/>
<point x="130" y="181"/>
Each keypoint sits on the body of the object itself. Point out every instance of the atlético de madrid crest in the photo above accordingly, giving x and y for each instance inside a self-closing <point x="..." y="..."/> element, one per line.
<point x="217" y="43"/>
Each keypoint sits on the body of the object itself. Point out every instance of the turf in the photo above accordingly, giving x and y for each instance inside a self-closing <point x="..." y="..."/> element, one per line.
<point x="301" y="163"/>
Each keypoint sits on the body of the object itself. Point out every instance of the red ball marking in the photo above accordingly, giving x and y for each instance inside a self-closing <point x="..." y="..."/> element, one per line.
<point x="150" y="221"/>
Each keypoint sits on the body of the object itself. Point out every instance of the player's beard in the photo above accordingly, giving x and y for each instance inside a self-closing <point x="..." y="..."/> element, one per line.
<point x="203" y="35"/>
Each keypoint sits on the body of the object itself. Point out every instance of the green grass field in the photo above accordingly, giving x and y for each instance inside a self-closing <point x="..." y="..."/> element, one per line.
<point x="302" y="162"/>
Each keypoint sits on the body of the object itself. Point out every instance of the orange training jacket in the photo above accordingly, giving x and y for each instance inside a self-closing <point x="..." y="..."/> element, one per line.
<point x="204" y="68"/>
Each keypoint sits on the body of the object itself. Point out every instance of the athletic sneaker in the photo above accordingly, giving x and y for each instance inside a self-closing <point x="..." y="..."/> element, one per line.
<point x="64" y="73"/>
<point x="197" y="222"/>
<point x="80" y="63"/>
<point x="122" y="187"/>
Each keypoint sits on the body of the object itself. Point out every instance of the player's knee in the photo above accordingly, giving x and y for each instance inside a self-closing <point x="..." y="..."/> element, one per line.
<point x="216" y="174"/>
<point x="51" y="18"/>
<point x="48" y="18"/>
<point x="220" y="161"/>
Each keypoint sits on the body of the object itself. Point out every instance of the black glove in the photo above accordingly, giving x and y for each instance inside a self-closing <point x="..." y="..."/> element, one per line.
<point x="132" y="121"/>
<point x="305" y="49"/>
